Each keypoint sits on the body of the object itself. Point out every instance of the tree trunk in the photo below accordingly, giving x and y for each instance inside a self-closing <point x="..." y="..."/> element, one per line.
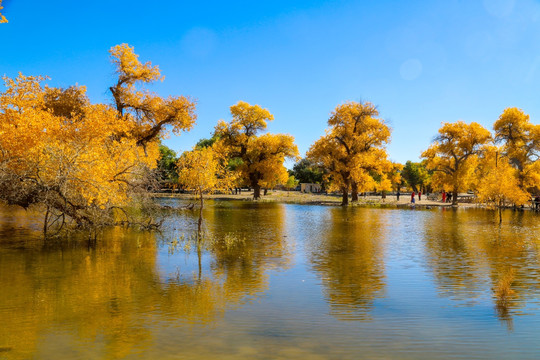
<point x="265" y="191"/>
<point x="199" y="225"/>
<point x="256" y="192"/>
<point x="454" y="197"/>
<point x="500" y="212"/>
<point x="45" y="222"/>
<point x="354" y="192"/>
<point x="345" y="198"/>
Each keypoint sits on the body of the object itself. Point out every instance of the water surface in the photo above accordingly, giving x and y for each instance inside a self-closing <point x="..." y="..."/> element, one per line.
<point x="295" y="281"/>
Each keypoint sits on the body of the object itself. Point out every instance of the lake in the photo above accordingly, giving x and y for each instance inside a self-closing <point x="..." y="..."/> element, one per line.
<point x="275" y="281"/>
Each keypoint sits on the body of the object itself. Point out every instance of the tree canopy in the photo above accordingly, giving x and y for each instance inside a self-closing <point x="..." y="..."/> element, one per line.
<point x="453" y="155"/>
<point x="261" y="156"/>
<point x="81" y="160"/>
<point x="520" y="142"/>
<point x="353" y="148"/>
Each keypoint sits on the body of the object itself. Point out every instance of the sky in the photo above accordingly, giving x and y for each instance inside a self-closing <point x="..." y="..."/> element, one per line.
<point x="421" y="62"/>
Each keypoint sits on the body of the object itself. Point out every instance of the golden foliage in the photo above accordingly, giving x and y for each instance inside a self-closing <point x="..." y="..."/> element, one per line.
<point x="521" y="145"/>
<point x="261" y="157"/>
<point x="453" y="155"/>
<point x="58" y="149"/>
<point x="148" y="113"/>
<point x="498" y="182"/>
<point x="353" y="147"/>
<point x="202" y="170"/>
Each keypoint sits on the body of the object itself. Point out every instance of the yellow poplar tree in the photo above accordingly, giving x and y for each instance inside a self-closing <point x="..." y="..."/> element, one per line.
<point x="521" y="145"/>
<point x="202" y="171"/>
<point x="497" y="181"/>
<point x="453" y="155"/>
<point x="260" y="157"/>
<point x="148" y="113"/>
<point x="81" y="161"/>
<point x="353" y="147"/>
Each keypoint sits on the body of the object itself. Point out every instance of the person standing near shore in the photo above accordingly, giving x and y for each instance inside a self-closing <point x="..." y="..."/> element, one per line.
<point x="412" y="197"/>
<point x="419" y="195"/>
<point x="443" y="196"/>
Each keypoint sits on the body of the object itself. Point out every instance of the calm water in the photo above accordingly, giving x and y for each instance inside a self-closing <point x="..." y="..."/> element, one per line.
<point x="306" y="282"/>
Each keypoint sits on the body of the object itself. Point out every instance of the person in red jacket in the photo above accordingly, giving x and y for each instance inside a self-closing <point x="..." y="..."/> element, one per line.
<point x="412" y="197"/>
<point x="443" y="196"/>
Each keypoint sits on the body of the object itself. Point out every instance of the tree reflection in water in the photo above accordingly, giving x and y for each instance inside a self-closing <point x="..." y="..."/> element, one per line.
<point x="467" y="247"/>
<point x="113" y="291"/>
<point x="348" y="254"/>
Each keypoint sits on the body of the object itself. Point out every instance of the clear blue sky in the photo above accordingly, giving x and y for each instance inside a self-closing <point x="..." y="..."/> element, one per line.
<point x="421" y="62"/>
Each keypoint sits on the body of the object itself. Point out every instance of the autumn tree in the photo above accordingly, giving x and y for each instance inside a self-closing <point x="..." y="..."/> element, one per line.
<point x="83" y="162"/>
<point x="389" y="180"/>
<point x="453" y="155"/>
<point x="203" y="171"/>
<point x="498" y="182"/>
<point x="260" y="157"/>
<point x="520" y="142"/>
<point x="147" y="113"/>
<point x="353" y="148"/>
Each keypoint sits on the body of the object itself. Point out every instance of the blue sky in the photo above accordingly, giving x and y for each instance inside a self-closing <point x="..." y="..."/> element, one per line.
<point x="421" y="62"/>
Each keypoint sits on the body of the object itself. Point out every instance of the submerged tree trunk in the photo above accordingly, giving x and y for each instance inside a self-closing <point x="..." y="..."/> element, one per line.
<point x="500" y="211"/>
<point x="199" y="225"/>
<point x="354" y="192"/>
<point x="45" y="222"/>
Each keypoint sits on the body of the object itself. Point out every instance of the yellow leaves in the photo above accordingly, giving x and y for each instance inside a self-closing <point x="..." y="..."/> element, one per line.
<point x="459" y="140"/>
<point x="453" y="155"/>
<point x="67" y="148"/>
<point x="521" y="144"/>
<point x="129" y="68"/>
<point x="3" y="19"/>
<point x="498" y="183"/>
<point x="202" y="170"/>
<point x="249" y="119"/>
<point x="353" y="146"/>
<point x="262" y="157"/>
<point x="149" y="113"/>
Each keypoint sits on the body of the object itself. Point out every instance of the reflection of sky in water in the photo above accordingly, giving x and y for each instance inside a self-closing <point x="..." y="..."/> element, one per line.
<point x="306" y="282"/>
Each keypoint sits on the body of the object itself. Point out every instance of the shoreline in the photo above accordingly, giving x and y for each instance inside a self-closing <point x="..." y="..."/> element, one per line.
<point x="295" y="197"/>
